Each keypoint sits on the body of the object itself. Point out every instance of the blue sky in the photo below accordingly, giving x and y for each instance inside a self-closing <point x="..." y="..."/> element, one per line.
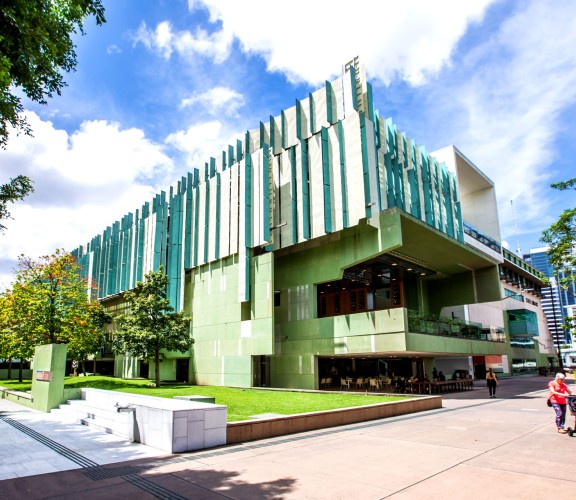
<point x="164" y="85"/>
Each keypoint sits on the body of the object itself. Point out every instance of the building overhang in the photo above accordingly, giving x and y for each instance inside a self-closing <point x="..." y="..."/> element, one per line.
<point x="437" y="251"/>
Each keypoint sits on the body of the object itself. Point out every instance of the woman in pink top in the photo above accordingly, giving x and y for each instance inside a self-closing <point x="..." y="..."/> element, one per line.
<point x="558" y="392"/>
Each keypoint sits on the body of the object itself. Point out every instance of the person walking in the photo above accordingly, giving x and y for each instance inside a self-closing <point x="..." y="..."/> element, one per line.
<point x="491" y="382"/>
<point x="558" y="392"/>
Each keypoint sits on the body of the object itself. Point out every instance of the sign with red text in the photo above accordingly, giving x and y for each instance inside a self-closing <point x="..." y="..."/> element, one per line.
<point x="45" y="375"/>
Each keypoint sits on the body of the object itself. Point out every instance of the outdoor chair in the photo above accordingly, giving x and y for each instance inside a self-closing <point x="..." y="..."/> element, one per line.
<point x="344" y="383"/>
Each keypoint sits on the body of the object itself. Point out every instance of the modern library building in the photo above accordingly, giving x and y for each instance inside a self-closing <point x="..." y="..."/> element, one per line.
<point x="326" y="244"/>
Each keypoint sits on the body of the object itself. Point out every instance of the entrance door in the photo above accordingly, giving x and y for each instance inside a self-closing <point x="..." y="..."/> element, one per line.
<point x="182" y="366"/>
<point x="261" y="371"/>
<point x="144" y="369"/>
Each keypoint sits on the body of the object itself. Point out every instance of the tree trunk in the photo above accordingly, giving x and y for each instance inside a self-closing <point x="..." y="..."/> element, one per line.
<point x="157" y="362"/>
<point x="83" y="368"/>
<point x="9" y="368"/>
<point x="20" y="372"/>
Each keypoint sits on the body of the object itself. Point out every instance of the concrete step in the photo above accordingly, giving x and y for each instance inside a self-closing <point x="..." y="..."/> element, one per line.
<point x="105" y="419"/>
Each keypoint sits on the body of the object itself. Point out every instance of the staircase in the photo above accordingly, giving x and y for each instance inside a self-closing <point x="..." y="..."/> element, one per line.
<point x="104" y="418"/>
<point x="172" y="425"/>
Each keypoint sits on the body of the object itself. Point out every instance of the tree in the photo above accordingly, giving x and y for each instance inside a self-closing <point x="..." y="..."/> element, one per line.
<point x="13" y="191"/>
<point x="36" y="48"/>
<point x="89" y="335"/>
<point x="561" y="240"/>
<point x="561" y="236"/>
<point x="50" y="303"/>
<point x="151" y="323"/>
<point x="16" y="341"/>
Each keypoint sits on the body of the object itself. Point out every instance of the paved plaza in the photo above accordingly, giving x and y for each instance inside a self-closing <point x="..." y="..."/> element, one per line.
<point x="472" y="448"/>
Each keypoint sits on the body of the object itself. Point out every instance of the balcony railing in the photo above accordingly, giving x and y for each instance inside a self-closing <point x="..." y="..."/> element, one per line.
<point x="481" y="237"/>
<point x="457" y="328"/>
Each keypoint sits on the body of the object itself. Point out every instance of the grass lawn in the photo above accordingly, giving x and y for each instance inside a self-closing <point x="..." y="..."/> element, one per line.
<point x="242" y="403"/>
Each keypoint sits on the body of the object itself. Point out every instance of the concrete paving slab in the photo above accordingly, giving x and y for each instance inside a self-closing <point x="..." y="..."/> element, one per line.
<point x="467" y="482"/>
<point x="473" y="447"/>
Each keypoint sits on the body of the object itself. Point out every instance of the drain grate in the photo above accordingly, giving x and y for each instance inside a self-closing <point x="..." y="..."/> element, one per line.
<point x="98" y="473"/>
<point x="153" y="488"/>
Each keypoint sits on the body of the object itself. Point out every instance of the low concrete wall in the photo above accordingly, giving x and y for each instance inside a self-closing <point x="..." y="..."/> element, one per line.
<point x="23" y="398"/>
<point x="167" y="424"/>
<point x="249" y="430"/>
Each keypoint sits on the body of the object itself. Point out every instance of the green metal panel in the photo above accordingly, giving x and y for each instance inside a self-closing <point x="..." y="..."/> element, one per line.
<point x="113" y="271"/>
<point x="217" y="228"/>
<point x="353" y="86"/>
<point x="389" y="155"/>
<point x="312" y="113"/>
<point x="305" y="191"/>
<point x="330" y="114"/>
<point x="273" y="138"/>
<point x="248" y="196"/>
<point x="174" y="269"/>
<point x="326" y="181"/>
<point x="206" y="219"/>
<point x="430" y="218"/>
<point x="284" y="129"/>
<point x="196" y="225"/>
<point x="371" y="115"/>
<point x="294" y="195"/>
<point x="230" y="156"/>
<point x="299" y="120"/>
<point x="413" y="183"/>
<point x="239" y="155"/>
<point x="447" y="196"/>
<point x="188" y="228"/>
<point x="343" y="174"/>
<point x="266" y="193"/>
<point x="263" y="135"/>
<point x="365" y="166"/>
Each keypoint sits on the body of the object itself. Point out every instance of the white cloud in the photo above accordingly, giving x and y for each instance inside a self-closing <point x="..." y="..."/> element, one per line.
<point x="165" y="42"/>
<point x="113" y="49"/>
<point x="201" y="141"/>
<point x="83" y="183"/>
<point x="216" y="99"/>
<point x="520" y="81"/>
<point x="309" y="41"/>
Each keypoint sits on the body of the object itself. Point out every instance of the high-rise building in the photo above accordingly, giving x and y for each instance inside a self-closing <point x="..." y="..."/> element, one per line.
<point x="555" y="298"/>
<point x="326" y="243"/>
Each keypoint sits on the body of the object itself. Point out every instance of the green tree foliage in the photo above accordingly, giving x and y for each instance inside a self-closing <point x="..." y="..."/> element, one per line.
<point x="561" y="240"/>
<point x="561" y="236"/>
<point x="49" y="304"/>
<point x="13" y="191"/>
<point x="36" y="48"/>
<point x="151" y="323"/>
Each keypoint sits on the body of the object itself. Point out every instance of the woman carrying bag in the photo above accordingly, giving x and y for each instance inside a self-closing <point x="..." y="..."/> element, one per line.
<point x="558" y="392"/>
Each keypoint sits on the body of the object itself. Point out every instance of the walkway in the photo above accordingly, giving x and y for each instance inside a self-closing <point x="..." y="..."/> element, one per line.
<point x="473" y="448"/>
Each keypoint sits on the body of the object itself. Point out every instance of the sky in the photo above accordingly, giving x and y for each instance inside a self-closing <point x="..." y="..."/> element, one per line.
<point x="165" y="84"/>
